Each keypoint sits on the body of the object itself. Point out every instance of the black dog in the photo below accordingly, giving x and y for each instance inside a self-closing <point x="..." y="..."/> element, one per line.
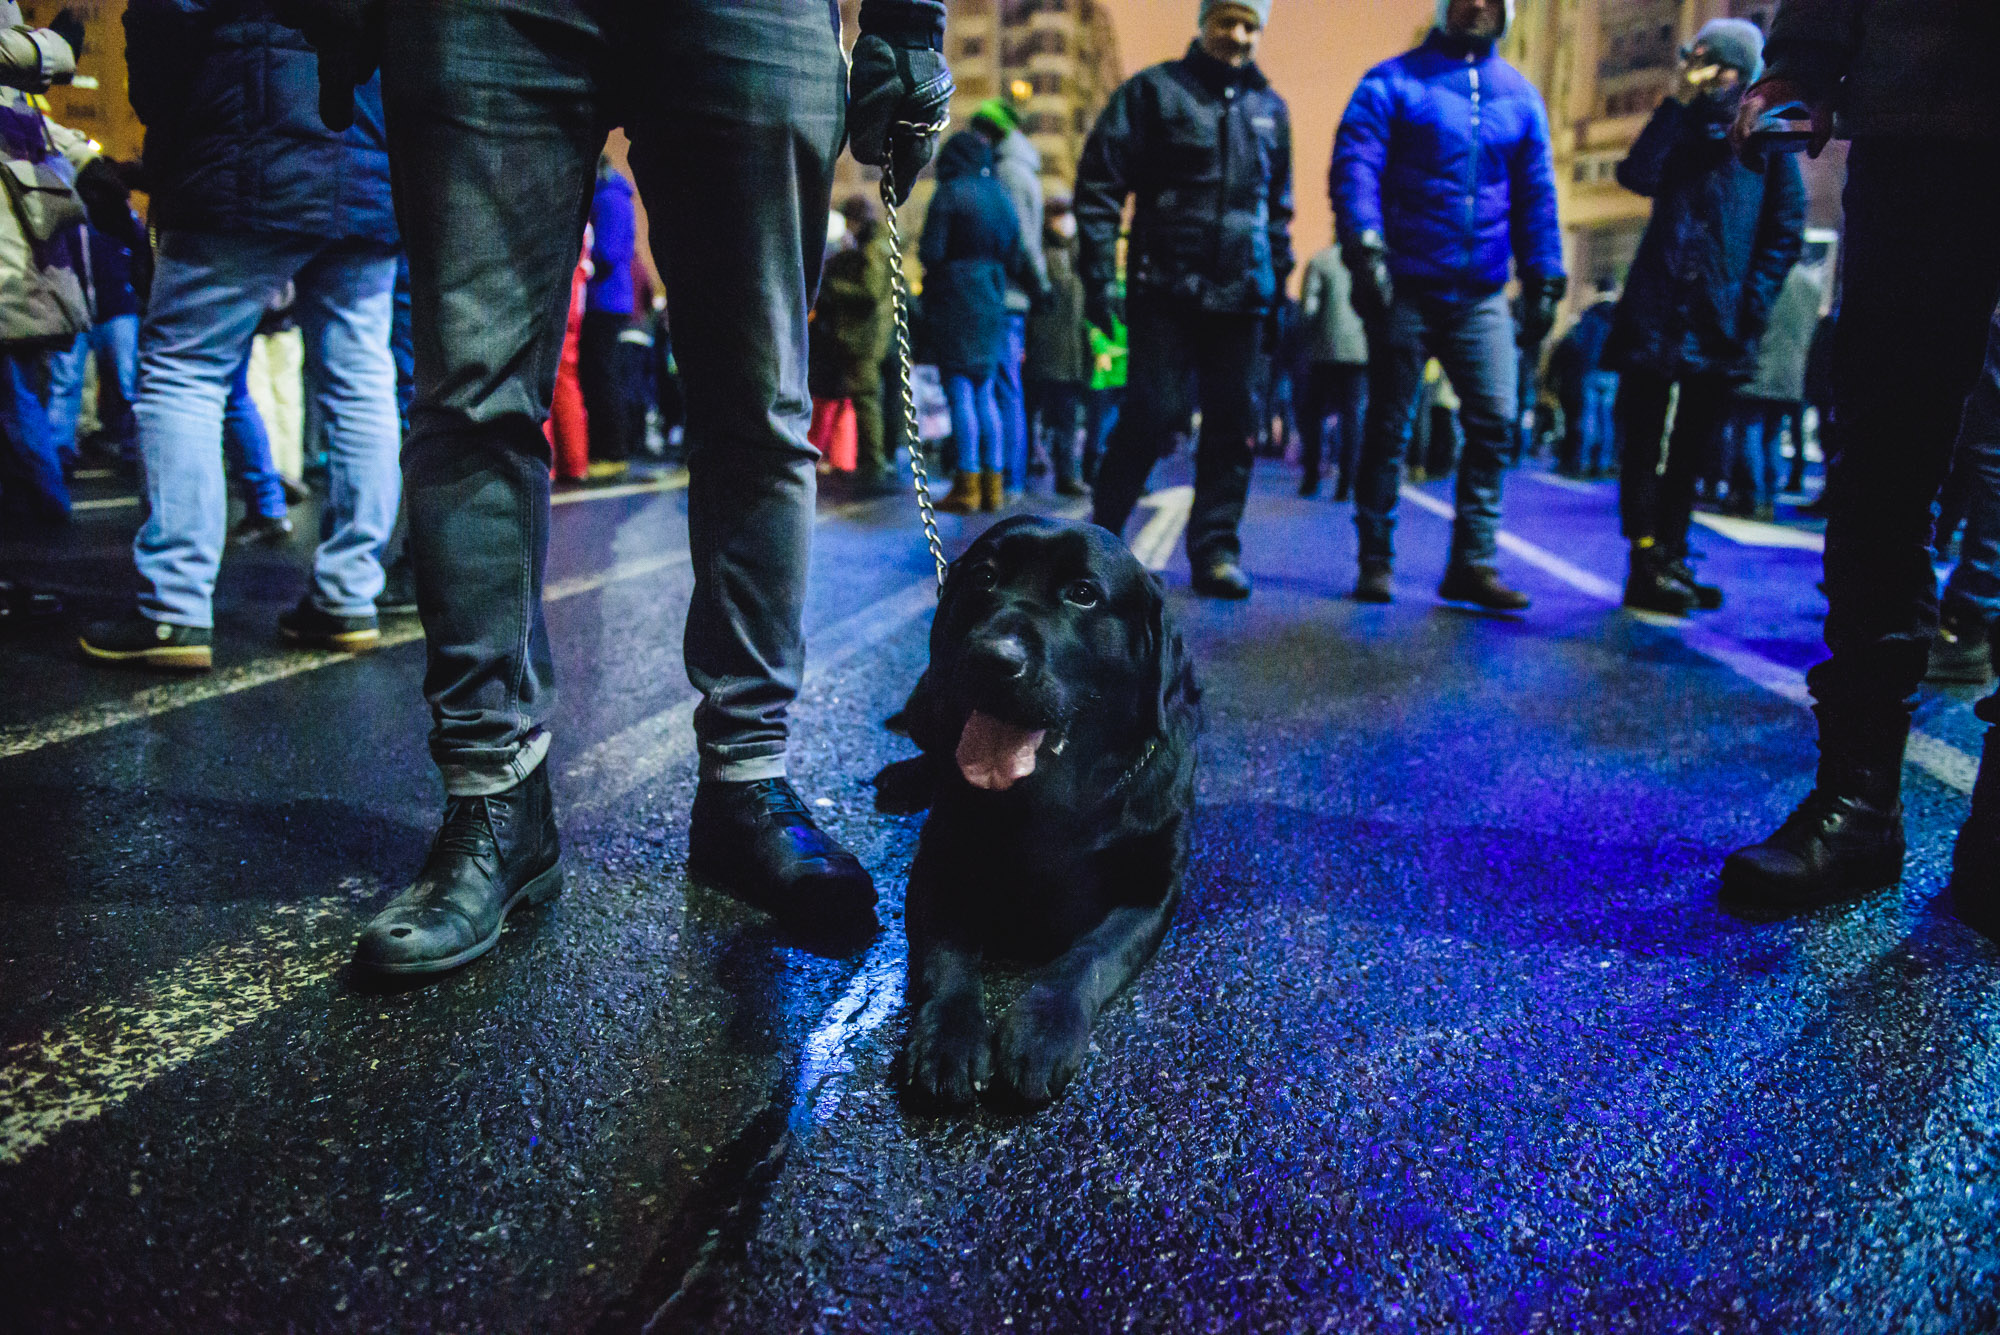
<point x="1058" y="721"/>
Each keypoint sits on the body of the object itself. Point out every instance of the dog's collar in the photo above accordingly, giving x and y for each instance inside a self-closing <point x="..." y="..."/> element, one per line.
<point x="1145" y="758"/>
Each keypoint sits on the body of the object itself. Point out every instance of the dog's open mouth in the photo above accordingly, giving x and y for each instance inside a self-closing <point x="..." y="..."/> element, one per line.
<point x="996" y="755"/>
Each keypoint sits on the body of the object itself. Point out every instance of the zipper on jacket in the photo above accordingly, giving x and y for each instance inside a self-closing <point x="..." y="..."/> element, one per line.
<point x="1472" y="173"/>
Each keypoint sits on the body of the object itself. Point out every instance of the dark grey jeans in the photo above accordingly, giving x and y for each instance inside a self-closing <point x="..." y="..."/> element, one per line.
<point x="497" y="111"/>
<point x="1474" y="341"/>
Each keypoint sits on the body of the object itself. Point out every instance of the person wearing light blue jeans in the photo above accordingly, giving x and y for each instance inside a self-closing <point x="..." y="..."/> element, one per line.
<point x="208" y="295"/>
<point x="977" y="427"/>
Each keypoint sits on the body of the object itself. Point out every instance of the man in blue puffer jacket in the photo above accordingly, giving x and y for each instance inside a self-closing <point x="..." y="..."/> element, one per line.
<point x="249" y="192"/>
<point x="1441" y="174"/>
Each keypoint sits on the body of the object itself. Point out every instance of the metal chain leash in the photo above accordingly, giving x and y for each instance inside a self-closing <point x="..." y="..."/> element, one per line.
<point x="899" y="287"/>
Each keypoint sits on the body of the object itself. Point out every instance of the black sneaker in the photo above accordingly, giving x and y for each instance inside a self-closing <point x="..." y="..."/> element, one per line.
<point x="1221" y="577"/>
<point x="310" y="628"/>
<point x="257" y="531"/>
<point x="399" y="589"/>
<point x="1480" y="586"/>
<point x="1373" y="585"/>
<point x="1707" y="597"/>
<point x="1961" y="653"/>
<point x="22" y="603"/>
<point x="757" y="842"/>
<point x="1834" y="847"/>
<point x="1649" y="588"/>
<point x="143" y="642"/>
<point x="492" y="854"/>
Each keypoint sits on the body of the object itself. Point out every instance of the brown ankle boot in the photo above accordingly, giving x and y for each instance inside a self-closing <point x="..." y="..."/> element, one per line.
<point x="992" y="494"/>
<point x="963" y="498"/>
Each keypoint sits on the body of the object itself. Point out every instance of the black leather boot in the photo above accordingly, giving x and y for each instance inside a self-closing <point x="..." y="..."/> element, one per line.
<point x="493" y="853"/>
<point x="1975" y="859"/>
<point x="1650" y="588"/>
<point x="757" y="842"/>
<point x="1480" y="585"/>
<point x="1843" y="842"/>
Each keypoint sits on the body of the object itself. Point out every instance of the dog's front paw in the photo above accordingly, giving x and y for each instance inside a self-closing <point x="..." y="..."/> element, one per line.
<point x="1043" y="1042"/>
<point x="947" y="1058"/>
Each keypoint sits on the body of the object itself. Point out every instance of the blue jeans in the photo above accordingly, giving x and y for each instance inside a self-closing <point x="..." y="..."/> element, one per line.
<point x="977" y="432"/>
<point x="735" y="112"/>
<point x="209" y="292"/>
<point x="65" y="400"/>
<point x="115" y="344"/>
<point x="247" y="447"/>
<point x="31" y="473"/>
<point x="1100" y="415"/>
<point x="1759" y="426"/>
<point x="1598" y="422"/>
<point x="1012" y="402"/>
<point x="1475" y="343"/>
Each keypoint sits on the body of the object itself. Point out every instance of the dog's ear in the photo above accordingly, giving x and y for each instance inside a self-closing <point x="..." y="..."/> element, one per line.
<point x="1171" y="678"/>
<point x="922" y="718"/>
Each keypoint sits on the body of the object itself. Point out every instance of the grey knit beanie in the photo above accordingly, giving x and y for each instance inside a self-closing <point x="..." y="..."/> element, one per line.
<point x="1261" y="8"/>
<point x="1735" y="43"/>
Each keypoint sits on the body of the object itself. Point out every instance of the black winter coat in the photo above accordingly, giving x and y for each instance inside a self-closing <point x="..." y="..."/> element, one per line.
<point x="971" y="246"/>
<point x="1206" y="151"/>
<point x="1715" y="252"/>
<point x="234" y="142"/>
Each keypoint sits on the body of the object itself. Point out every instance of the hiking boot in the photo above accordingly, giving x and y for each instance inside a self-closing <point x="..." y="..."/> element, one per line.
<point x="143" y="642"/>
<point x="1480" y="586"/>
<point x="757" y="842"/>
<point x="1707" y="597"/>
<point x="1975" y="860"/>
<point x="492" y="854"/>
<point x="1221" y="577"/>
<point x="1961" y="652"/>
<point x="963" y="498"/>
<point x="309" y="627"/>
<point x="1844" y="841"/>
<point x="260" y="531"/>
<point x="1649" y="588"/>
<point x="993" y="492"/>
<point x="1373" y="585"/>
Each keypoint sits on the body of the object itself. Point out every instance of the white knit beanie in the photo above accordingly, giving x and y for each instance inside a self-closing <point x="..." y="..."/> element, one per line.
<point x="1261" y="8"/>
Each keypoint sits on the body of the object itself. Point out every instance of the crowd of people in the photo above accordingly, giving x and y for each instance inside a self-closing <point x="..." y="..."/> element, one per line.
<point x="417" y="190"/>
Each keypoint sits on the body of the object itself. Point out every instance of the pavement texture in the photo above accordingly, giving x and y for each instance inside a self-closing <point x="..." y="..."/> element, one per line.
<point x="1449" y="1034"/>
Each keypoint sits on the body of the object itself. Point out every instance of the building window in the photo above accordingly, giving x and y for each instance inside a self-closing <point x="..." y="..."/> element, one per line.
<point x="972" y="46"/>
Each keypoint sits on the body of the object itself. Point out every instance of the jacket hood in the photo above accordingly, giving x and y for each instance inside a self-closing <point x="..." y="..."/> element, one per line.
<point x="965" y="154"/>
<point x="1018" y="149"/>
<point x="1506" y="21"/>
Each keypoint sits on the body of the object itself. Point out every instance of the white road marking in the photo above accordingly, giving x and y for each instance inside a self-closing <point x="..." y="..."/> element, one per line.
<point x="1757" y="533"/>
<point x="674" y="481"/>
<point x="1939" y="759"/>
<point x="100" y="1056"/>
<point x="869" y="1001"/>
<point x="107" y="503"/>
<point x="1566" y="483"/>
<point x="1155" y="544"/>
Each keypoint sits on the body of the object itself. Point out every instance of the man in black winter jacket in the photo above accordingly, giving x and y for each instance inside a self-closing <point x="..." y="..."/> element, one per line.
<point x="1912" y="84"/>
<point x="497" y="110"/>
<point x="1205" y="146"/>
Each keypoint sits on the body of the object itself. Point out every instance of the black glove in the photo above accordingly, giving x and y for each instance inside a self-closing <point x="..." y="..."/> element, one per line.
<point x="68" y="26"/>
<point x="1540" y="295"/>
<point x="348" y="36"/>
<point x="1104" y="307"/>
<point x="1367" y="261"/>
<point x="899" y="90"/>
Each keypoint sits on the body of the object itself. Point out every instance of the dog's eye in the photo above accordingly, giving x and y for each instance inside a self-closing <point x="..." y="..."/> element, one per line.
<point x="1082" y="594"/>
<point x="983" y="577"/>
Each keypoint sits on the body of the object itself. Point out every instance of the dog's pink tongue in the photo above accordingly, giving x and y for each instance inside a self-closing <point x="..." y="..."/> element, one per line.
<point x="995" y="755"/>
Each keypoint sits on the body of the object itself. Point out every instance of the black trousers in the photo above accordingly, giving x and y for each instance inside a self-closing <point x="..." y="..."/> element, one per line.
<point x="1170" y="346"/>
<point x="1920" y="280"/>
<point x="1340" y="391"/>
<point x="1657" y="472"/>
<point x="610" y="373"/>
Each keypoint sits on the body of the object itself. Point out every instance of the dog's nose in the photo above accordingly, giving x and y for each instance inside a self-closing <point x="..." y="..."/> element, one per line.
<point x="1003" y="656"/>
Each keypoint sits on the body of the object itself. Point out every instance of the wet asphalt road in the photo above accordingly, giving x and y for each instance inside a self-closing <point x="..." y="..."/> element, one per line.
<point x="1449" y="1035"/>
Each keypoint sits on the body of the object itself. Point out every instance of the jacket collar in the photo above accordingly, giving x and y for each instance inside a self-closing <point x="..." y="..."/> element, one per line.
<point x="1217" y="77"/>
<point x="1454" y="47"/>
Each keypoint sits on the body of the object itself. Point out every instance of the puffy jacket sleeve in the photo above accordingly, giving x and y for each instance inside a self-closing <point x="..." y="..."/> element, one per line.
<point x="1645" y="164"/>
<point x="1103" y="180"/>
<point x="164" y="43"/>
<point x="1535" y="230"/>
<point x="34" y="59"/>
<point x="1813" y="43"/>
<point x="1360" y="153"/>
<point x="613" y="228"/>
<point x="1780" y="239"/>
<point x="1282" y="260"/>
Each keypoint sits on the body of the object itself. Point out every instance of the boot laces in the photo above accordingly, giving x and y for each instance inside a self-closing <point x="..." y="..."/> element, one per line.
<point x="776" y="799"/>
<point x="469" y="829"/>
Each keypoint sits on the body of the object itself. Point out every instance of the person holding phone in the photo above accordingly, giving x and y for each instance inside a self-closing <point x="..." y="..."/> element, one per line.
<point x="1911" y="84"/>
